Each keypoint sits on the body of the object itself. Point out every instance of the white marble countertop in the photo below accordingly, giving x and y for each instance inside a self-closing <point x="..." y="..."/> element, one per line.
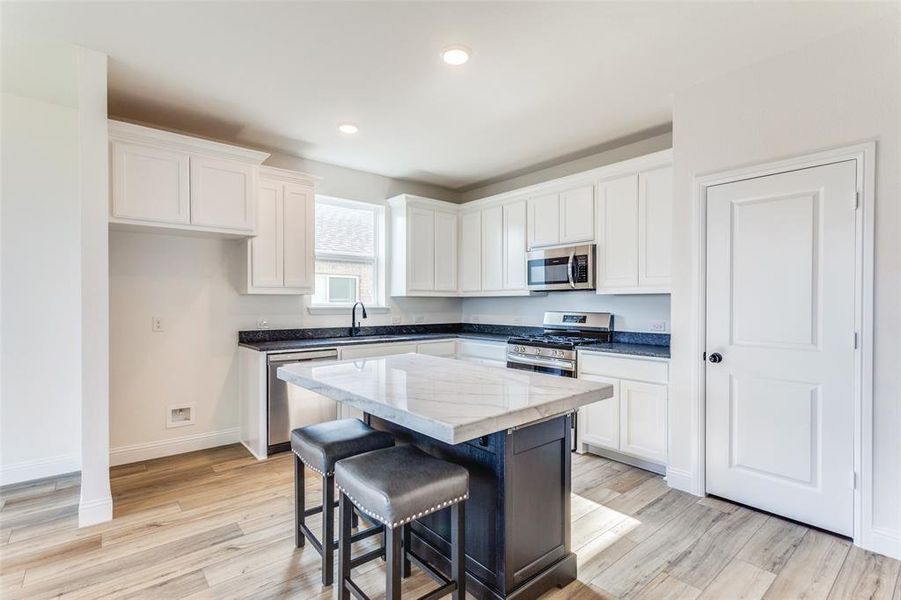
<point x="450" y="400"/>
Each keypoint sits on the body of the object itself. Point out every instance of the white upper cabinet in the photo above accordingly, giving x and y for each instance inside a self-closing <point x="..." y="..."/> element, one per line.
<point x="577" y="215"/>
<point x="280" y="259"/>
<point x="150" y="183"/>
<point x="544" y="220"/>
<point x="634" y="233"/>
<point x="471" y="251"/>
<point x="565" y="217"/>
<point x="167" y="180"/>
<point x="493" y="249"/>
<point x="423" y="252"/>
<point x="445" y="251"/>
<point x="515" y="245"/>
<point x="655" y="232"/>
<point x="222" y="193"/>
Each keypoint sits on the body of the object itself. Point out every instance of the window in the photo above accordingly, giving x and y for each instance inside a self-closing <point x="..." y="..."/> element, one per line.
<point x="349" y="243"/>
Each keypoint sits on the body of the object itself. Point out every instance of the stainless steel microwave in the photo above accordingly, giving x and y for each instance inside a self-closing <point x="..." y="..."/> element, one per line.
<point x="569" y="268"/>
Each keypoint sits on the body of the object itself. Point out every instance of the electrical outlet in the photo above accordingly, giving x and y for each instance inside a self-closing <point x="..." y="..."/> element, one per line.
<point x="474" y="318"/>
<point x="262" y="324"/>
<point x="396" y="320"/>
<point x="517" y="320"/>
<point x="179" y="415"/>
<point x="156" y="324"/>
<point x="420" y="319"/>
<point x="658" y="325"/>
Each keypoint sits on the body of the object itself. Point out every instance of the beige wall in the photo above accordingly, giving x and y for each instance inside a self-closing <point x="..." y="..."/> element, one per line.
<point x="839" y="91"/>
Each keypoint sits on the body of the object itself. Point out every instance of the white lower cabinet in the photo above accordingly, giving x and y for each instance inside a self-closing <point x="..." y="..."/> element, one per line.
<point x="633" y="421"/>
<point x="492" y="354"/>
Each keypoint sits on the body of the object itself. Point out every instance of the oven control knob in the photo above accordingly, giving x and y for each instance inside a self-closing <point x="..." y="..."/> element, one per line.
<point x="559" y="352"/>
<point x="538" y="351"/>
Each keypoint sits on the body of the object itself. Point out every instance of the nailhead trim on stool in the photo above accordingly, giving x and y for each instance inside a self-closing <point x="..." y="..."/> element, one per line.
<point x="419" y="515"/>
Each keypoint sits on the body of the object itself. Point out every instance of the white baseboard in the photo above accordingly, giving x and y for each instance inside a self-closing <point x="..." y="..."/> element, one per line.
<point x="91" y="512"/>
<point x="39" y="468"/>
<point x="124" y="455"/>
<point x="249" y="449"/>
<point x="679" y="480"/>
<point x="883" y="541"/>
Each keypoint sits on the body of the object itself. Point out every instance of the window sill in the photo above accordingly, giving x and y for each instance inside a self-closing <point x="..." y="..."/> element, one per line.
<point x="324" y="309"/>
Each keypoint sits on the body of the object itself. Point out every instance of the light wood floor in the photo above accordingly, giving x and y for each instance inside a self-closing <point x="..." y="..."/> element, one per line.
<point x="217" y="524"/>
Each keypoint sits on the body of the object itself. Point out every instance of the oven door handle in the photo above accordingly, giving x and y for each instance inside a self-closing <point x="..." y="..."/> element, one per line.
<point x="553" y="363"/>
<point x="569" y="269"/>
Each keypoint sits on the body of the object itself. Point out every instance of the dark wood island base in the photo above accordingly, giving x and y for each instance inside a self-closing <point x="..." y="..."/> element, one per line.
<point x="518" y="514"/>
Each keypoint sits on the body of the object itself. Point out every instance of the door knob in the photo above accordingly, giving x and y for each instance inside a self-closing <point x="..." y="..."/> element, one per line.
<point x="716" y="357"/>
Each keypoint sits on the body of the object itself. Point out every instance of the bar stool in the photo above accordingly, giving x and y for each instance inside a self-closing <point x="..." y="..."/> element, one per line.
<point x="319" y="447"/>
<point x="396" y="486"/>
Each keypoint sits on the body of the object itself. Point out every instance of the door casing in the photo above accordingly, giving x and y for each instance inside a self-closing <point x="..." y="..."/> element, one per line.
<point x="864" y="154"/>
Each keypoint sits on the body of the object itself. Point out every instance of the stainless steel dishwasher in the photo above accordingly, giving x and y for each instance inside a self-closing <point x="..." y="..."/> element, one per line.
<point x="291" y="406"/>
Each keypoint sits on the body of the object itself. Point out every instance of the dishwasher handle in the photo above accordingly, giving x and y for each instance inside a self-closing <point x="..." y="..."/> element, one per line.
<point x="290" y="357"/>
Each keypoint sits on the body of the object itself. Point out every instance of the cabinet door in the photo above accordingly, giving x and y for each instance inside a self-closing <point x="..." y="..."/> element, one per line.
<point x="493" y="249"/>
<point x="471" y="251"/>
<point x="515" y="245"/>
<point x="655" y="230"/>
<point x="642" y="417"/>
<point x="299" y="236"/>
<point x="150" y="184"/>
<point x="222" y="193"/>
<point x="266" y="248"/>
<point x="577" y="215"/>
<point x="600" y="421"/>
<point x="544" y="220"/>
<point x="617" y="251"/>
<point x="445" y="348"/>
<point x="420" y="249"/>
<point x="445" y="251"/>
<point x="370" y="350"/>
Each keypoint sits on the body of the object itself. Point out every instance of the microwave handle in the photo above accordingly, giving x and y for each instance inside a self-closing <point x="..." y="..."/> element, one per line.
<point x="569" y="269"/>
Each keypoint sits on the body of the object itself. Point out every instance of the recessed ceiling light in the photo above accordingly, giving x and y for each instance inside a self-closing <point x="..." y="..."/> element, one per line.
<point x="349" y="128"/>
<point x="455" y="55"/>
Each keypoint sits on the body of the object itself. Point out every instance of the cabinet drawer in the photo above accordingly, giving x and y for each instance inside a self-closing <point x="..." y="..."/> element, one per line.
<point x="623" y="368"/>
<point x="369" y="350"/>
<point x="487" y="350"/>
<point x="447" y="348"/>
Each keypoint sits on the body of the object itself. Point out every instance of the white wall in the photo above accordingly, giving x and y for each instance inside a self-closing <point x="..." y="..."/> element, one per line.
<point x="54" y="286"/>
<point x="841" y="90"/>
<point x="191" y="284"/>
<point x="631" y="313"/>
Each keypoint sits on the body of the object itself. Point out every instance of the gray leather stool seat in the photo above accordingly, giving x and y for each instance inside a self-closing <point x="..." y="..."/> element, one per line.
<point x="396" y="486"/>
<point x="319" y="447"/>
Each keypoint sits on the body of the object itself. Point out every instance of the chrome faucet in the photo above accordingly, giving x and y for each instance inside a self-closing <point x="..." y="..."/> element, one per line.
<point x="354" y="324"/>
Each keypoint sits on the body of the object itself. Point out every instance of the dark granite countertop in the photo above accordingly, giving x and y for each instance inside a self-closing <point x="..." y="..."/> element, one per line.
<point x="655" y="345"/>
<point x="331" y="342"/>
<point x="648" y="350"/>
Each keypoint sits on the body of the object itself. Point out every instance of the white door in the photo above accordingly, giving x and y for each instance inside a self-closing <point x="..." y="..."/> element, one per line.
<point x="780" y="316"/>
<point x="617" y="250"/>
<point x="655" y="228"/>
<point x="515" y="245"/>
<point x="222" y="193"/>
<point x="544" y="220"/>
<point x="445" y="251"/>
<point x="471" y="251"/>
<point x="266" y="248"/>
<point x="150" y="184"/>
<point x="577" y="215"/>
<point x="299" y="234"/>
<point x="421" y="250"/>
<point x="492" y="249"/>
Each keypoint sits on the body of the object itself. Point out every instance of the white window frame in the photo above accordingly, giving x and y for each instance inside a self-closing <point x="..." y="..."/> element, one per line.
<point x="329" y="276"/>
<point x="378" y="260"/>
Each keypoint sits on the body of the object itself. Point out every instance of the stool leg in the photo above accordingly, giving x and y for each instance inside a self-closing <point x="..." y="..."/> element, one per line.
<point x="328" y="530"/>
<point x="355" y="520"/>
<point x="393" y="563"/>
<point x="406" y="572"/>
<point x="345" y="512"/>
<point x="458" y="550"/>
<point x="299" y="502"/>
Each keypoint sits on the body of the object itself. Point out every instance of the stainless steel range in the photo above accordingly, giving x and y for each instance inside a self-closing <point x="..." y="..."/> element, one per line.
<point x="554" y="350"/>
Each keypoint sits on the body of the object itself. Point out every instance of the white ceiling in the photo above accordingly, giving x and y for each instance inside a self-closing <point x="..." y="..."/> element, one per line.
<point x="546" y="79"/>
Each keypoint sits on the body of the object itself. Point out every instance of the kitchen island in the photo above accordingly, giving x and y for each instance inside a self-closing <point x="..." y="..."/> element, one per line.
<point x="511" y="429"/>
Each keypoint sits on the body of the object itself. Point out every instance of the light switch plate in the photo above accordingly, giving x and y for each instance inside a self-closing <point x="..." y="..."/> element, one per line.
<point x="156" y="324"/>
<point x="658" y="325"/>
<point x="396" y="320"/>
